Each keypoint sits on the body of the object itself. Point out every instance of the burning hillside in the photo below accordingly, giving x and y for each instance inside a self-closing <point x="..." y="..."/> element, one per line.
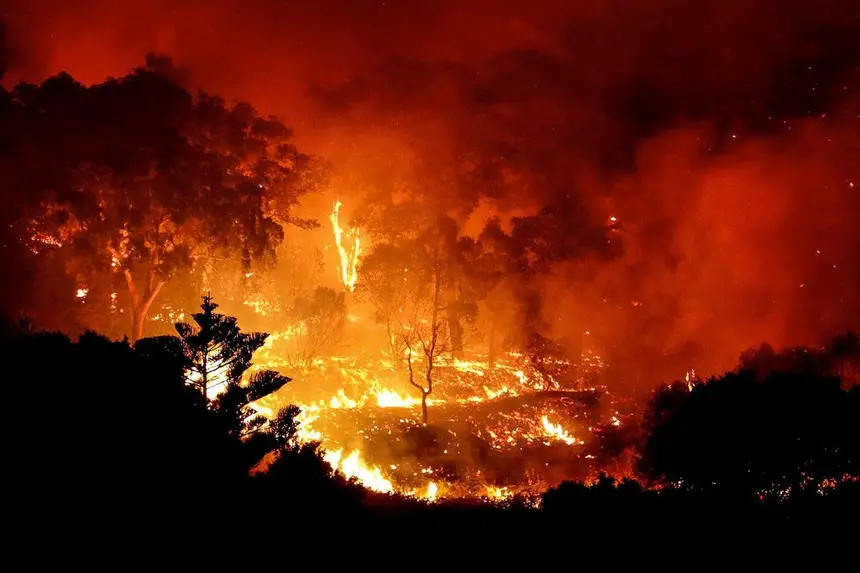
<point x="474" y="427"/>
<point x="494" y="431"/>
<point x="466" y="252"/>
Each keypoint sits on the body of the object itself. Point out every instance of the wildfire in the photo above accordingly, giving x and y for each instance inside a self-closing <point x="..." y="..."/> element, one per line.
<point x="555" y="431"/>
<point x="690" y="379"/>
<point x="432" y="490"/>
<point x="362" y="419"/>
<point x="348" y="259"/>
<point x="354" y="467"/>
<point x="497" y="493"/>
<point x="390" y="399"/>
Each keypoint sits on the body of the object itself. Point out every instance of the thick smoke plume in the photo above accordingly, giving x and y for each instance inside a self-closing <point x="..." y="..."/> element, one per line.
<point x="723" y="137"/>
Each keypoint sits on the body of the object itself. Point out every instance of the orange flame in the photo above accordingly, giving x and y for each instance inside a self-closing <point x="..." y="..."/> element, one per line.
<point x="556" y="432"/>
<point x="348" y="260"/>
<point x="354" y="467"/>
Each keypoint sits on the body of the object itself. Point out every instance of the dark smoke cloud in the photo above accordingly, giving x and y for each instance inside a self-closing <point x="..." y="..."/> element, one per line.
<point x="265" y="51"/>
<point x="723" y="135"/>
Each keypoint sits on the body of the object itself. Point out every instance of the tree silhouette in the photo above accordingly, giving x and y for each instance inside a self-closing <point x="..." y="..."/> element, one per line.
<point x="217" y="354"/>
<point x="433" y="339"/>
<point x="745" y="436"/>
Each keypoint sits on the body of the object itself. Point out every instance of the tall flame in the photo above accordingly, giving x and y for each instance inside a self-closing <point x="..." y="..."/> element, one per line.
<point x="348" y="260"/>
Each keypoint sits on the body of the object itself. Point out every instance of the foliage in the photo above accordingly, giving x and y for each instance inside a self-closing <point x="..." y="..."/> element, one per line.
<point x="147" y="179"/>
<point x="416" y="288"/>
<point x="840" y="357"/>
<point x="318" y="321"/>
<point x="740" y="435"/>
<point x="217" y="354"/>
<point x="400" y="280"/>
<point x="384" y="282"/>
<point x="285" y="426"/>
<point x="550" y="360"/>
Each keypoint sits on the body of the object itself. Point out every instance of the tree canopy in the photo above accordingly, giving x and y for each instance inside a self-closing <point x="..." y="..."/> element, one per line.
<point x="137" y="180"/>
<point x="216" y="354"/>
<point x="745" y="436"/>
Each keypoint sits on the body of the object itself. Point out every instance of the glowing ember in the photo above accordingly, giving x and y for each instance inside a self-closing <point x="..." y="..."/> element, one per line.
<point x="348" y="259"/>
<point x="82" y="293"/>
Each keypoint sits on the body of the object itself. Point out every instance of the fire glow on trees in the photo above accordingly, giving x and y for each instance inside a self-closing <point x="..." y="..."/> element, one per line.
<point x="529" y="159"/>
<point x="144" y="198"/>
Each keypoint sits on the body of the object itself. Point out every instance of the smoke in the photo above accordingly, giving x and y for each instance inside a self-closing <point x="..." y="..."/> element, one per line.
<point x="723" y="136"/>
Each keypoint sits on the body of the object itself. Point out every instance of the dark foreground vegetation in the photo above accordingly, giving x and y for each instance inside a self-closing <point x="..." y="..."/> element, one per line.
<point x="106" y="441"/>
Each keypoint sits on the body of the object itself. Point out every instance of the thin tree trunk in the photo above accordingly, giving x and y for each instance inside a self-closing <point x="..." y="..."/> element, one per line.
<point x="456" y="334"/>
<point x="141" y="302"/>
<point x="136" y="325"/>
<point x="204" y="375"/>
<point x="424" y="406"/>
<point x="491" y="358"/>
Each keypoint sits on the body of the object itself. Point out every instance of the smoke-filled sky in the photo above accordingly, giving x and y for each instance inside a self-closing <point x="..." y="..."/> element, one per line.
<point x="725" y="135"/>
<point x="270" y="51"/>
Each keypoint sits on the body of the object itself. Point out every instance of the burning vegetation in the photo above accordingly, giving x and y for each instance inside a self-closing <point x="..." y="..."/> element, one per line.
<point x="470" y="280"/>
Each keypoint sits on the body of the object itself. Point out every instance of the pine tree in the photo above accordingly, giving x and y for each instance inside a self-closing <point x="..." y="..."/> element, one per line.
<point x="217" y="354"/>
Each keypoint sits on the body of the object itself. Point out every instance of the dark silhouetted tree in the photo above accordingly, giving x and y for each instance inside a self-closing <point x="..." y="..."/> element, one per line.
<point x="217" y="354"/>
<point x="742" y="436"/>
<point x="844" y="358"/>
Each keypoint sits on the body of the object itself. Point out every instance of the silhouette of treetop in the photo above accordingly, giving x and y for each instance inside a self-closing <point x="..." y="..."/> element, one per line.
<point x="217" y="354"/>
